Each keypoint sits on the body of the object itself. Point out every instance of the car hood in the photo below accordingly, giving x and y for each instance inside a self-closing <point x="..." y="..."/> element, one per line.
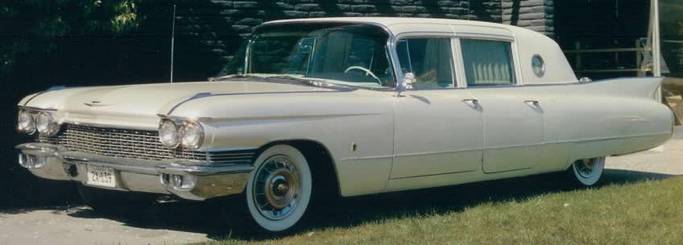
<point x="110" y="103"/>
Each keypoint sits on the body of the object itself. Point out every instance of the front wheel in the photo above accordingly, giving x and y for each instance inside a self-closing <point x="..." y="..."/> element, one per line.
<point x="586" y="172"/>
<point x="279" y="189"/>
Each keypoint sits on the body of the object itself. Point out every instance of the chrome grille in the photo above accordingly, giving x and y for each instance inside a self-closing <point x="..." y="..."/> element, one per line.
<point x="135" y="144"/>
<point x="123" y="143"/>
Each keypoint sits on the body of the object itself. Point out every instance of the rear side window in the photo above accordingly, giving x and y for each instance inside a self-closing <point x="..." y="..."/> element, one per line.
<point x="487" y="63"/>
<point x="429" y="59"/>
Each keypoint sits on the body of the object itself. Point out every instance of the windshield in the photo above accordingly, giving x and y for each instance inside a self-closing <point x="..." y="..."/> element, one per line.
<point x="345" y="54"/>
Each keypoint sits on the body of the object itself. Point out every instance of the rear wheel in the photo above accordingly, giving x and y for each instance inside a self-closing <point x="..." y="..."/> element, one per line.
<point x="279" y="189"/>
<point x="586" y="172"/>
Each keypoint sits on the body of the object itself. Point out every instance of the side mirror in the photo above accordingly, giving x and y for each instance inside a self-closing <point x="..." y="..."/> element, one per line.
<point x="407" y="83"/>
<point x="585" y="80"/>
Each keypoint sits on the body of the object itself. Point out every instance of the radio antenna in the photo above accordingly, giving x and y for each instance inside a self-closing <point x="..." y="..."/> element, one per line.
<point x="172" y="41"/>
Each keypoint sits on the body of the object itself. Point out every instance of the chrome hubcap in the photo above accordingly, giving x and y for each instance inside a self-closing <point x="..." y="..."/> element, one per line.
<point x="277" y="188"/>
<point x="585" y="167"/>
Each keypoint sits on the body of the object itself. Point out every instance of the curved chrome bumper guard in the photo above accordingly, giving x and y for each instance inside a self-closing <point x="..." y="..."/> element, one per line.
<point x="188" y="180"/>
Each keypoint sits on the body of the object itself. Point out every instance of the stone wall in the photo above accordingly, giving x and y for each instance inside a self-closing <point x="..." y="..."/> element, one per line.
<point x="537" y="15"/>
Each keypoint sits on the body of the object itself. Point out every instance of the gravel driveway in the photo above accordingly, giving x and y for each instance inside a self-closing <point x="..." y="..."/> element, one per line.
<point x="181" y="223"/>
<point x="81" y="225"/>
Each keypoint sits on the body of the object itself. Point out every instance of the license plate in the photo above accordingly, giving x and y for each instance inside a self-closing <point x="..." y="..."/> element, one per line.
<point x="101" y="176"/>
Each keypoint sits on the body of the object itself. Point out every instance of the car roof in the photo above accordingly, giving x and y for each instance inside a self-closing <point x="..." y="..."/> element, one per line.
<point x="398" y="25"/>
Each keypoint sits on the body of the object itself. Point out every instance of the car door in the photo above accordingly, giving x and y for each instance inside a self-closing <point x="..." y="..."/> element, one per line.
<point x="512" y="120"/>
<point x="437" y="127"/>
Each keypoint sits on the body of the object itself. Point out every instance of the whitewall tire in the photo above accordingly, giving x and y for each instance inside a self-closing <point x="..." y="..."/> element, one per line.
<point x="586" y="172"/>
<point x="279" y="189"/>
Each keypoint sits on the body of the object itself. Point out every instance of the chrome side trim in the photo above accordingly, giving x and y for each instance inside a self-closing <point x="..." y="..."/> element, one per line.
<point x="33" y="97"/>
<point x="193" y="97"/>
<point x="429" y="175"/>
<point x="573" y="141"/>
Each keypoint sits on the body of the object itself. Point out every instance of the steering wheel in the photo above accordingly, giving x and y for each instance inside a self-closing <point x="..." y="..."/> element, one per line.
<point x="367" y="72"/>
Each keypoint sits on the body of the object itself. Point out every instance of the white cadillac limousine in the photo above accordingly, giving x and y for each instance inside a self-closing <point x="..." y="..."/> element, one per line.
<point x="346" y="106"/>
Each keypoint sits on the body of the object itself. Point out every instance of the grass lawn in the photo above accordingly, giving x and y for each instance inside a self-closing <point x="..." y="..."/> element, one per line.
<point x="640" y="212"/>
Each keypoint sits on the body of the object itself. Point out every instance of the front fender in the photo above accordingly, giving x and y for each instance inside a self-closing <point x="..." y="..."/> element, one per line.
<point x="356" y="128"/>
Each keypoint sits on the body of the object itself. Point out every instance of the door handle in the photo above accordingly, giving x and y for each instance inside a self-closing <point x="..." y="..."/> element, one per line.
<point x="474" y="103"/>
<point x="532" y="102"/>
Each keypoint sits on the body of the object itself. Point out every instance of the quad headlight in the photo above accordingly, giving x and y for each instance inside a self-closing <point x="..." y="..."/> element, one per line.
<point x="25" y="122"/>
<point x="46" y="124"/>
<point x="42" y="121"/>
<point x="168" y="134"/>
<point x="192" y="135"/>
<point x="188" y="134"/>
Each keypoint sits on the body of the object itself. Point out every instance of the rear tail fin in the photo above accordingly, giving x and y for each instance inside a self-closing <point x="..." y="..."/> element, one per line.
<point x="646" y="87"/>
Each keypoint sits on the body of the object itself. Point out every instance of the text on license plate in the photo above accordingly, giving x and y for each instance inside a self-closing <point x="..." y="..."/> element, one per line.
<point x="101" y="176"/>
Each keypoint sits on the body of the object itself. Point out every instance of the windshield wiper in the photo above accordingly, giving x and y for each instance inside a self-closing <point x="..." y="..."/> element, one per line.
<point x="310" y="82"/>
<point x="282" y="79"/>
<point x="231" y="76"/>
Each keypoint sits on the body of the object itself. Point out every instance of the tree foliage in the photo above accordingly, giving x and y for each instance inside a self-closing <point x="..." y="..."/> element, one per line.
<point x="33" y="27"/>
<point x="39" y="39"/>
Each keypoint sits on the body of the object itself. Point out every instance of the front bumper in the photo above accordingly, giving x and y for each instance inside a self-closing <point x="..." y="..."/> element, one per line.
<point x="196" y="181"/>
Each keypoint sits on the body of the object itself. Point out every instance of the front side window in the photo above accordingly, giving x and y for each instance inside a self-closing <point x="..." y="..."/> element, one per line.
<point x="347" y="54"/>
<point x="487" y="63"/>
<point x="429" y="59"/>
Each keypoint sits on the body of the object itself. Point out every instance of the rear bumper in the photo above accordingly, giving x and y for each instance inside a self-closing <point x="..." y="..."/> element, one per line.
<point x="196" y="181"/>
